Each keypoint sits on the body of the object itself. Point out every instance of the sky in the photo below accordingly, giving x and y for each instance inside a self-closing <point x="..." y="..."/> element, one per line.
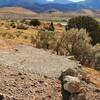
<point x="76" y="0"/>
<point x="69" y="0"/>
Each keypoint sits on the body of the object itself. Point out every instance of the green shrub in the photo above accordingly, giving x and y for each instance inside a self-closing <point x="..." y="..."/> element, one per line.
<point x="76" y="41"/>
<point x="43" y="39"/>
<point x="35" y="22"/>
<point x="88" y="23"/>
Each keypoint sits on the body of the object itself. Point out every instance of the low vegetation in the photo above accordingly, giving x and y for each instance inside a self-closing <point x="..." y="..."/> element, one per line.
<point x="75" y="41"/>
<point x="88" y="23"/>
<point x="81" y="37"/>
<point x="35" y="22"/>
<point x="44" y="39"/>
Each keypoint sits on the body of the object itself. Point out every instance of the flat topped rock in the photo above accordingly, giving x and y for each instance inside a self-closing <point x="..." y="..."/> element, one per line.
<point x="36" y="61"/>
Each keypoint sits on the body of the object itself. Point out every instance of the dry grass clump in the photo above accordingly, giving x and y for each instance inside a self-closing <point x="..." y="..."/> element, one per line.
<point x="93" y="75"/>
<point x="44" y="39"/>
<point x="22" y="26"/>
<point x="17" y="30"/>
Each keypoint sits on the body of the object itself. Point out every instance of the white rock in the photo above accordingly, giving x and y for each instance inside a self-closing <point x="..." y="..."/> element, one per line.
<point x="71" y="84"/>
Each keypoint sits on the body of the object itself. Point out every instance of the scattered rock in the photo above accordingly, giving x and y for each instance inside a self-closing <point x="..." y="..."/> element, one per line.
<point x="69" y="71"/>
<point x="71" y="57"/>
<point x="27" y="86"/>
<point x="81" y="96"/>
<point x="6" y="97"/>
<point x="97" y="90"/>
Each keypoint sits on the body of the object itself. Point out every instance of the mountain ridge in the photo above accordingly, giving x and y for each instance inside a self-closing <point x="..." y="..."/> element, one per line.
<point x="43" y="5"/>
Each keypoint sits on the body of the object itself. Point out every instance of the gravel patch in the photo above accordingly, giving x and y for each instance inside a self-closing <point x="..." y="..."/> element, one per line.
<point x="36" y="61"/>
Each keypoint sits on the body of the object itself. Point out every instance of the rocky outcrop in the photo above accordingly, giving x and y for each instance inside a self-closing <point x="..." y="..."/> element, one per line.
<point x="77" y="86"/>
<point x="71" y="84"/>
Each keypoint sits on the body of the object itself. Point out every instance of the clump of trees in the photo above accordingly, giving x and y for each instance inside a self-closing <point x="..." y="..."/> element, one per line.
<point x="35" y="22"/>
<point x="88" y="23"/>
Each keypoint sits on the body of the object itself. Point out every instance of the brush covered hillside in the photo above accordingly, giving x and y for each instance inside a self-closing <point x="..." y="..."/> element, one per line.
<point x="49" y="50"/>
<point x="40" y="60"/>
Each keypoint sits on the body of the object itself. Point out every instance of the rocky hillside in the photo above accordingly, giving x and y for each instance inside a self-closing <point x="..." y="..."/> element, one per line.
<point x="23" y="85"/>
<point x="27" y="73"/>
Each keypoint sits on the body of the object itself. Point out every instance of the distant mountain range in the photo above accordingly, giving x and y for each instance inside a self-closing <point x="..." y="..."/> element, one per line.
<point x="44" y="5"/>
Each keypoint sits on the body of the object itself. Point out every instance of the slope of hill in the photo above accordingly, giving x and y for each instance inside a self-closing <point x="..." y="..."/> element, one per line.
<point x="26" y="74"/>
<point x="16" y="10"/>
<point x="89" y="12"/>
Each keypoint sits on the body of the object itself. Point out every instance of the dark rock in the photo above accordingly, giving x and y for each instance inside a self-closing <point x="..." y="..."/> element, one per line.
<point x="70" y="71"/>
<point x="1" y="97"/>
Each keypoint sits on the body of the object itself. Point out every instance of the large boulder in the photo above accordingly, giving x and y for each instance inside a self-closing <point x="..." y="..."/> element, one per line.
<point x="71" y="84"/>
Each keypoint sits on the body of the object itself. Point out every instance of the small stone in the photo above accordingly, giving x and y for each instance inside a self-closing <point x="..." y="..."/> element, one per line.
<point x="19" y="73"/>
<point x="81" y="97"/>
<point x="41" y="81"/>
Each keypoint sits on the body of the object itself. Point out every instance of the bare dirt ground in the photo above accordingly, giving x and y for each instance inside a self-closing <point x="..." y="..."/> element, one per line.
<point x="36" y="61"/>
